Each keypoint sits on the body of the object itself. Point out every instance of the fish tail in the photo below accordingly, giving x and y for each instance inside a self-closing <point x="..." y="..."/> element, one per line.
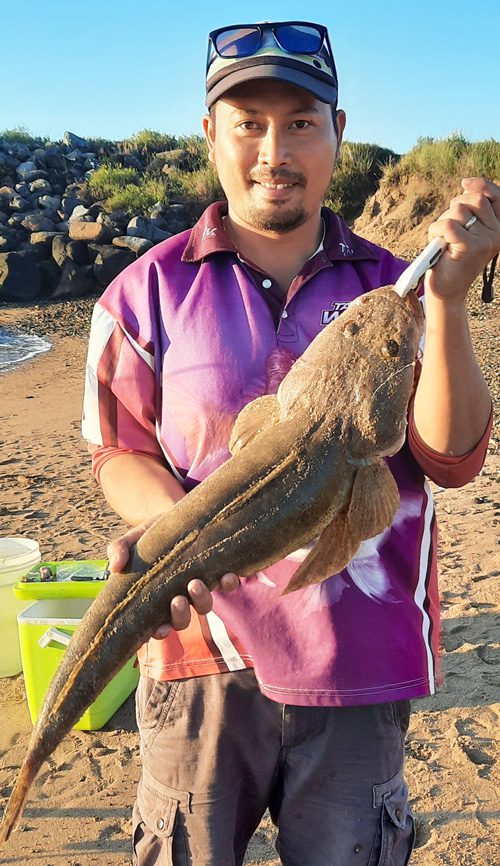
<point x="15" y="805"/>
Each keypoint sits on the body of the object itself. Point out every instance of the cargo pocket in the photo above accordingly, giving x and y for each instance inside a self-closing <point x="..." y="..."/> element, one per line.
<point x="158" y="834"/>
<point x="396" y="831"/>
<point x="153" y="701"/>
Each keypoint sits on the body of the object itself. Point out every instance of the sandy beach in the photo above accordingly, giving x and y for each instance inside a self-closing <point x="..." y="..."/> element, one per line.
<point x="80" y="808"/>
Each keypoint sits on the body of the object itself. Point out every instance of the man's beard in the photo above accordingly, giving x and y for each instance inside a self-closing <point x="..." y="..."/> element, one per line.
<point x="276" y="216"/>
<point x="280" y="221"/>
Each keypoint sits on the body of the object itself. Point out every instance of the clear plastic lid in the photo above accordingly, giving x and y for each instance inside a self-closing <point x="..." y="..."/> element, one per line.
<point x="16" y="551"/>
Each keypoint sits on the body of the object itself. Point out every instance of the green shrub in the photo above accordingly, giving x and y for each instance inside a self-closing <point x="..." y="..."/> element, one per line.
<point x="196" y="151"/>
<point x="102" y="146"/>
<point x="124" y="188"/>
<point x="108" y="180"/>
<point x="137" y="199"/>
<point x="190" y="155"/>
<point x="163" y="162"/>
<point x="173" y="183"/>
<point x="201" y="188"/>
<point x="356" y="177"/>
<point x="483" y="159"/>
<point x="148" y="141"/>
<point x="21" y="135"/>
<point x="452" y="157"/>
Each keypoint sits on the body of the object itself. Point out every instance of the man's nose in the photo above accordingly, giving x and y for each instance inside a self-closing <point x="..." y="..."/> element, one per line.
<point x="274" y="148"/>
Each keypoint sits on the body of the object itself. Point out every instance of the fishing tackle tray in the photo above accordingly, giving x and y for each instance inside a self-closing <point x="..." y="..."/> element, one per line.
<point x="71" y="578"/>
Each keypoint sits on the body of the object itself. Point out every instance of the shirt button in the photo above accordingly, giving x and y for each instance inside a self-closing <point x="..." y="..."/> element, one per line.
<point x="284" y="314"/>
<point x="266" y="284"/>
<point x="160" y="823"/>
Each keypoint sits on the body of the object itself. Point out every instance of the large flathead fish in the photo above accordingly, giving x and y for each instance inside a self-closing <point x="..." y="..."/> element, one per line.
<point x="305" y="463"/>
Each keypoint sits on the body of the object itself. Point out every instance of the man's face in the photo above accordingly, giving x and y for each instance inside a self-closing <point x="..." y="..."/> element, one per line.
<point x="274" y="147"/>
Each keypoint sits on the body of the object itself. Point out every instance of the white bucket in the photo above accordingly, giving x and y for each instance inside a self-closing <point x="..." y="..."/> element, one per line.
<point x="17" y="556"/>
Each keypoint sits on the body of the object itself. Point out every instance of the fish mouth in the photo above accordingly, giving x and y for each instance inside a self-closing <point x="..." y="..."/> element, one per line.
<point x="414" y="307"/>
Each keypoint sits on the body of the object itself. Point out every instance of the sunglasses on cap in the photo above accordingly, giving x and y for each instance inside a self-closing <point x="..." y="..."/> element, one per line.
<point x="293" y="37"/>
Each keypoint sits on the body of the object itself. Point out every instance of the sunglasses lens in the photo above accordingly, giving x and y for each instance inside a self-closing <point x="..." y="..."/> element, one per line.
<point x="238" y="42"/>
<point x="299" y="38"/>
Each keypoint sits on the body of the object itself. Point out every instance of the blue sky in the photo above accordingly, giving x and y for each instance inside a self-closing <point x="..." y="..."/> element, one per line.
<point x="113" y="67"/>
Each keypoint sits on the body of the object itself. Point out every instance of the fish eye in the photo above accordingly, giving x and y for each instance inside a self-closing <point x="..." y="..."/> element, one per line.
<point x="390" y="349"/>
<point x="350" y="329"/>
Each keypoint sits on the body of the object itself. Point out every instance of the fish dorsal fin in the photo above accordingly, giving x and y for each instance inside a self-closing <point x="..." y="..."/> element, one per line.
<point x="334" y="548"/>
<point x="253" y="418"/>
<point x="374" y="500"/>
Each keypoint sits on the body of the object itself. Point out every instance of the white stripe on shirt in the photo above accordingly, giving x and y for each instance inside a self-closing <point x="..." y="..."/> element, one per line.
<point x="146" y="356"/>
<point x="223" y="642"/>
<point x="101" y="330"/>
<point x="173" y="468"/>
<point x="421" y="591"/>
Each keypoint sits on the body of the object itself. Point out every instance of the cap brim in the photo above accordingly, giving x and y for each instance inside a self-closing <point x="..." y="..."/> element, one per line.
<point x="323" y="90"/>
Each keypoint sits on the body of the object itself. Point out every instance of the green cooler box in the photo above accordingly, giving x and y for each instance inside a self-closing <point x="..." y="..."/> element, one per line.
<point x="45" y="629"/>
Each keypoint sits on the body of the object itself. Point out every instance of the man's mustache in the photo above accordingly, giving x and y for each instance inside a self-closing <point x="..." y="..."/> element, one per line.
<point x="278" y="176"/>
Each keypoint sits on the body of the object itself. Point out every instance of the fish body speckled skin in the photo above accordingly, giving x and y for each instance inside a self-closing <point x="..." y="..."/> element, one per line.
<point x="306" y="462"/>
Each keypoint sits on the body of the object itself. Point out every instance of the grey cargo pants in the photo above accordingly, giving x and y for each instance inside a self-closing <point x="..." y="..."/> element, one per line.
<point x="216" y="754"/>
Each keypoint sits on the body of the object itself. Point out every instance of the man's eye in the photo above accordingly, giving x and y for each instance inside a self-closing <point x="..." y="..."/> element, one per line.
<point x="248" y="124"/>
<point x="301" y="124"/>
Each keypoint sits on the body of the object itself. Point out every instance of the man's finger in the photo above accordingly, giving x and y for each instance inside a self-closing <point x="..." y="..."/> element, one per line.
<point x="162" y="632"/>
<point x="118" y="554"/>
<point x="180" y="613"/>
<point x="485" y="187"/>
<point x="118" y="550"/>
<point x="201" y="597"/>
<point x="229" y="582"/>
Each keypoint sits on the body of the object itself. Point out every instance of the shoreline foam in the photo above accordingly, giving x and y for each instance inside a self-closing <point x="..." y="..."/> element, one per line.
<point x="16" y="348"/>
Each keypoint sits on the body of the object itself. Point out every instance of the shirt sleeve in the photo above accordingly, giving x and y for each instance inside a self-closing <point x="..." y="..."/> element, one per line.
<point x="444" y="470"/>
<point x="120" y="399"/>
<point x="100" y="455"/>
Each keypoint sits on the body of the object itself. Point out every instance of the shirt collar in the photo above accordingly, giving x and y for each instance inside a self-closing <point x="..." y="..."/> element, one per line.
<point x="209" y="237"/>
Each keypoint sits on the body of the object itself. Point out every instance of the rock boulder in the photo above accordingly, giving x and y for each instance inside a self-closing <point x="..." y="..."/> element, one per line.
<point x="96" y="233"/>
<point x="19" y="277"/>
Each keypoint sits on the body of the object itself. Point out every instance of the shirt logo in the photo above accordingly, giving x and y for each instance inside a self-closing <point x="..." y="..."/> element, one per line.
<point x="208" y="233"/>
<point x="346" y="250"/>
<point x="333" y="313"/>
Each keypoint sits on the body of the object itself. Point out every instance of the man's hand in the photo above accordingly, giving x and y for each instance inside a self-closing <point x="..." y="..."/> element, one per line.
<point x="201" y="598"/>
<point x="469" y="250"/>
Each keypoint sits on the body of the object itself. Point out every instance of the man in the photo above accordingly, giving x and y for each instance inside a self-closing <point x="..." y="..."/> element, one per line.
<point x="252" y="700"/>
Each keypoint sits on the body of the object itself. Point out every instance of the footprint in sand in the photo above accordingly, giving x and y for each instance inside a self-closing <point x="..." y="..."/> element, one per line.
<point x="477" y="756"/>
<point x="419" y="750"/>
<point x="475" y="752"/>
<point x="489" y="655"/>
<point x="424" y="834"/>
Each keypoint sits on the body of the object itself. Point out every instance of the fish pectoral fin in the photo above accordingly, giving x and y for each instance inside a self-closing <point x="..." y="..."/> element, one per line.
<point x="374" y="500"/>
<point x="334" y="549"/>
<point x="253" y="418"/>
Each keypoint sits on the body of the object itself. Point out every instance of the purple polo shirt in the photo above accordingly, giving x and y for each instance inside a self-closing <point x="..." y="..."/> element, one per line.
<point x="180" y="342"/>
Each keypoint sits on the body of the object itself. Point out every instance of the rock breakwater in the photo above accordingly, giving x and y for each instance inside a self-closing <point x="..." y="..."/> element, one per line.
<point x="56" y="241"/>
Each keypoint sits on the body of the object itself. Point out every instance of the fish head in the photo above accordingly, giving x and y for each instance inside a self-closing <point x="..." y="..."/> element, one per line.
<point x="382" y="332"/>
<point x="354" y="381"/>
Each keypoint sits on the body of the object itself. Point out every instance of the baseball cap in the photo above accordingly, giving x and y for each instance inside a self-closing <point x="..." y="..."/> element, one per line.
<point x="298" y="52"/>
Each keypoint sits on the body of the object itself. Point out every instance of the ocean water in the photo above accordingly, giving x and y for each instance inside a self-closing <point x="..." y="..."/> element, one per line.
<point x="16" y="348"/>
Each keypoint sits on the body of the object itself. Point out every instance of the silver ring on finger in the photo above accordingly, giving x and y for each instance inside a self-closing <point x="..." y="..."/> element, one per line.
<point x="470" y="222"/>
